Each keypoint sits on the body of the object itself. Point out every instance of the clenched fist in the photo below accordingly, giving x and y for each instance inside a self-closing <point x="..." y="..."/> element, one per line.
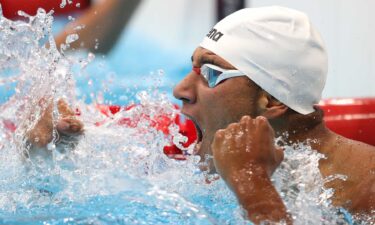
<point x="67" y="125"/>
<point x="245" y="156"/>
<point x="246" y="147"/>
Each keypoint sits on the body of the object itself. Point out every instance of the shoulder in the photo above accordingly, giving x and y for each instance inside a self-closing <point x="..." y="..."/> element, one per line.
<point x="359" y="151"/>
<point x="352" y="151"/>
<point x="355" y="160"/>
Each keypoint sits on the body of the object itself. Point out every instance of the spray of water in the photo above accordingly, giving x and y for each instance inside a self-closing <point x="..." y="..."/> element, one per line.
<point x="300" y="183"/>
<point x="110" y="174"/>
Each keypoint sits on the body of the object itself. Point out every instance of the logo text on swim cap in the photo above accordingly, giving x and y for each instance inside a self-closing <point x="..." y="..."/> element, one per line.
<point x="214" y="34"/>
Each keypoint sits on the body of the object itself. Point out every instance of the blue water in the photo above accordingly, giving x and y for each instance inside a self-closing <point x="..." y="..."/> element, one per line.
<point x="128" y="207"/>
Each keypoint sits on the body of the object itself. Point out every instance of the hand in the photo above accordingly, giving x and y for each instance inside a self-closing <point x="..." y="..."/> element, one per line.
<point x="246" y="146"/>
<point x="245" y="156"/>
<point x="67" y="125"/>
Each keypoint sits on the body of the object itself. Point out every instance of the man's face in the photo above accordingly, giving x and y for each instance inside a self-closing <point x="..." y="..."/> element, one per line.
<point x="214" y="108"/>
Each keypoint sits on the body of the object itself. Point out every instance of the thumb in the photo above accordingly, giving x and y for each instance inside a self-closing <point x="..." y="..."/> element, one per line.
<point x="64" y="109"/>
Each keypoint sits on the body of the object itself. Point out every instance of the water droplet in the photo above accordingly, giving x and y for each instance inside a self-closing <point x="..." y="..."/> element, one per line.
<point x="91" y="56"/>
<point x="79" y="27"/>
<point x="63" y="4"/>
<point x="71" y="38"/>
<point x="96" y="44"/>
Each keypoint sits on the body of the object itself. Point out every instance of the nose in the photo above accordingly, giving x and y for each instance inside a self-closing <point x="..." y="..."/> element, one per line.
<point x="186" y="89"/>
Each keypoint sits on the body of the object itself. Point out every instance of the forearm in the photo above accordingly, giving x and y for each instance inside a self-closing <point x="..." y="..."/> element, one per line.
<point x="257" y="195"/>
<point x="245" y="156"/>
<point x="103" y="24"/>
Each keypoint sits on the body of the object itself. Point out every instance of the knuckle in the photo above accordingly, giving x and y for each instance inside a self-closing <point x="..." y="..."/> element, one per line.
<point x="232" y="126"/>
<point x="219" y="133"/>
<point x="245" y="118"/>
<point x="262" y="121"/>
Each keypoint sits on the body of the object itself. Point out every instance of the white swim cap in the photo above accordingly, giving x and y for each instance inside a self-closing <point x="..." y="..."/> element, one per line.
<point x="278" y="49"/>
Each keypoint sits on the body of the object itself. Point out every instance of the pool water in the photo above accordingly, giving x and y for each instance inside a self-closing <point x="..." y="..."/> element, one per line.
<point x="115" y="174"/>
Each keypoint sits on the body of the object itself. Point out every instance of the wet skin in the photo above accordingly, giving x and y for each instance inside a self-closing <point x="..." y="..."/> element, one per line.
<point x="214" y="108"/>
<point x="220" y="114"/>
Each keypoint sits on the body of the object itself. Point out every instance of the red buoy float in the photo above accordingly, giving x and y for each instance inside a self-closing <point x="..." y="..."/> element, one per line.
<point x="353" y="118"/>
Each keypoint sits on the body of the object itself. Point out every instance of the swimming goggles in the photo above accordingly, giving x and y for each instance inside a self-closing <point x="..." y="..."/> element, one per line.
<point x="214" y="74"/>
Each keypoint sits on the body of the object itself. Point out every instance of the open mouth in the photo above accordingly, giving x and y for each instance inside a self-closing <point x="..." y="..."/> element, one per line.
<point x="198" y="129"/>
<point x="199" y="134"/>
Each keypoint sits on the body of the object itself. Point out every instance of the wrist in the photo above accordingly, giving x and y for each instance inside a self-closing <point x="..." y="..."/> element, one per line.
<point x="250" y="176"/>
<point x="257" y="195"/>
<point x="246" y="173"/>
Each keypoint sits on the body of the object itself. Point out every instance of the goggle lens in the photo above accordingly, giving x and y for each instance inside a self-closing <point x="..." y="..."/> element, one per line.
<point x="214" y="74"/>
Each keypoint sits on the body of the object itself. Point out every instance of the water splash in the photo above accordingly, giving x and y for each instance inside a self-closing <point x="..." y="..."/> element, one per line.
<point x="301" y="185"/>
<point x="115" y="174"/>
<point x="113" y="167"/>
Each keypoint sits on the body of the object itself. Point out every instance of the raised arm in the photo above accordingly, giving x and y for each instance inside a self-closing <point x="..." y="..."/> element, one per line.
<point x="245" y="157"/>
<point x="103" y="23"/>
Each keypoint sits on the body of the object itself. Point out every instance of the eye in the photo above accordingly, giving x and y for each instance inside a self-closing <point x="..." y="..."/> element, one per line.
<point x="213" y="75"/>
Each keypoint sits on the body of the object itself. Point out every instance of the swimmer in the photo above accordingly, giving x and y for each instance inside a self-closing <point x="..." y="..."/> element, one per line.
<point x="258" y="74"/>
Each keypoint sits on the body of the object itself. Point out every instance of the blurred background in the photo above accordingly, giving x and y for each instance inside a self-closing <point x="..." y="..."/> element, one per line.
<point x="160" y="35"/>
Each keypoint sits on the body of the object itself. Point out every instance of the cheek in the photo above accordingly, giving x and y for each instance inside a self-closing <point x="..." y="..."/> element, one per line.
<point x="229" y="105"/>
<point x="214" y="116"/>
<point x="212" y="110"/>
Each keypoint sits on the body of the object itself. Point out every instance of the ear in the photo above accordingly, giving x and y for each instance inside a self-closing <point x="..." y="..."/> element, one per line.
<point x="270" y="107"/>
